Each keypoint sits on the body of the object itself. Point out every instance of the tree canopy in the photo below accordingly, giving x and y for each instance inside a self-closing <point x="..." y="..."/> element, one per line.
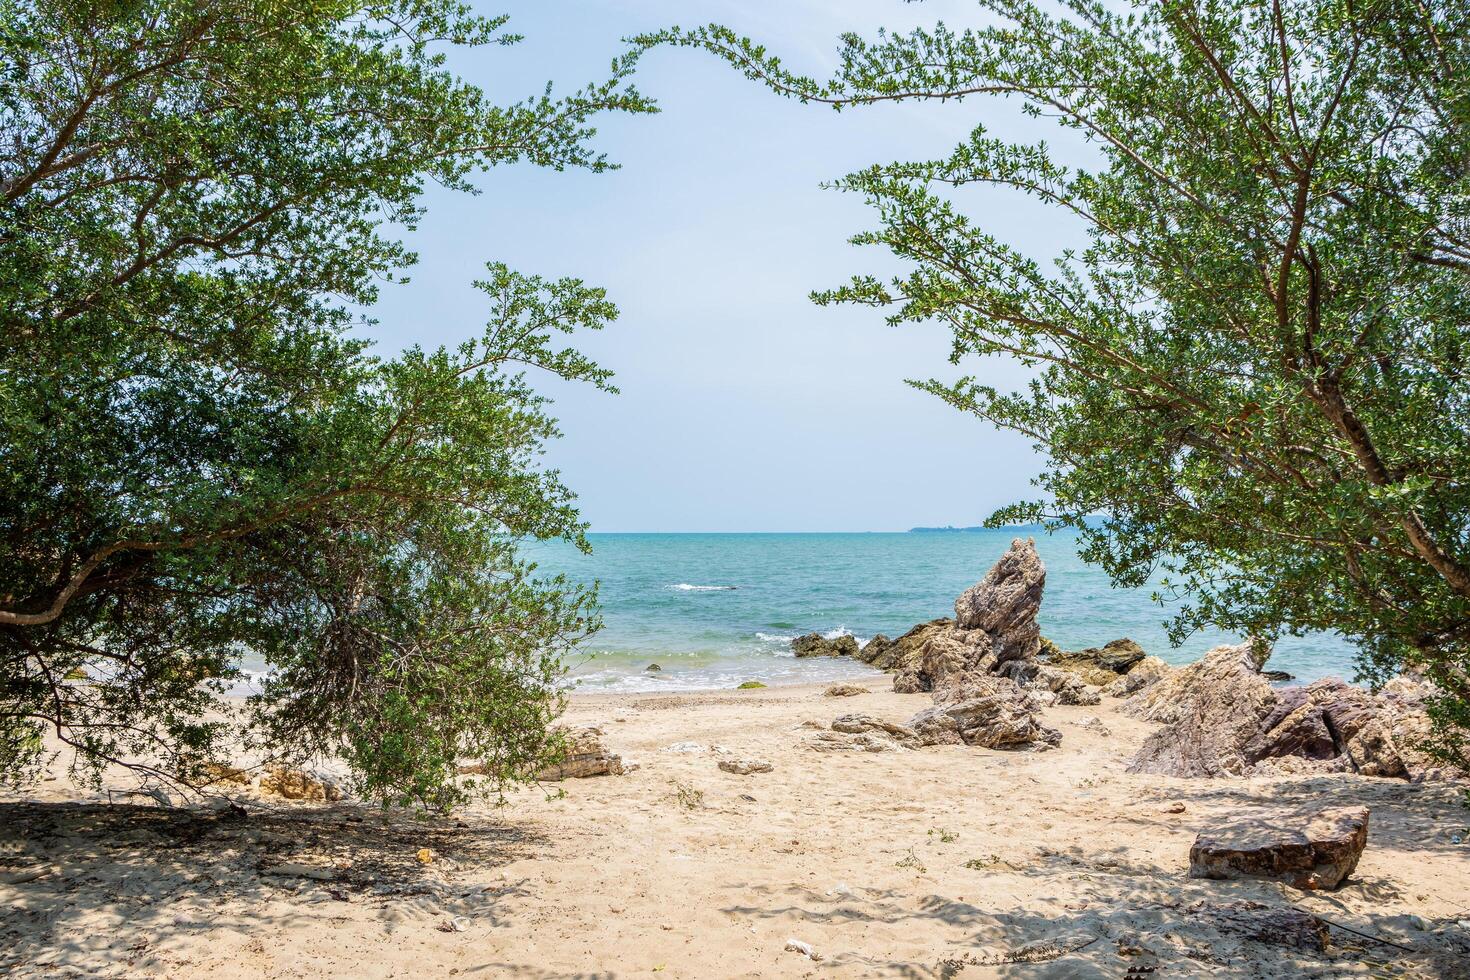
<point x="1254" y="365"/>
<point x="200" y="456"/>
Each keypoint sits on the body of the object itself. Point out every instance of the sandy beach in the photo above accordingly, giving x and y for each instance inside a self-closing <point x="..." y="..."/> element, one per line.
<point x="941" y="861"/>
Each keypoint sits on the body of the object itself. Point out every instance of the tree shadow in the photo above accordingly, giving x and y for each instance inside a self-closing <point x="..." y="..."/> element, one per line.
<point x="88" y="886"/>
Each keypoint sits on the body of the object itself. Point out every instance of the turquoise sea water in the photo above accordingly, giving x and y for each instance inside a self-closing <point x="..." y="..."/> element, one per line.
<point x="714" y="610"/>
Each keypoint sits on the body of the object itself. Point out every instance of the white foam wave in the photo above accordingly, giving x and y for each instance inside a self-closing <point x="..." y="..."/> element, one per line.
<point x="686" y="587"/>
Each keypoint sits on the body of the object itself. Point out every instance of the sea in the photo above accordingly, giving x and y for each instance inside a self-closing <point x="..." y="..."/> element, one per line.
<point x="716" y="610"/>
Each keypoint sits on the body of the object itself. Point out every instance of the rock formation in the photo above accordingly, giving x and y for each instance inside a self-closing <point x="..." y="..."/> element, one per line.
<point x="1309" y="853"/>
<point x="900" y="654"/>
<point x="1222" y="717"/>
<point x="817" y="645"/>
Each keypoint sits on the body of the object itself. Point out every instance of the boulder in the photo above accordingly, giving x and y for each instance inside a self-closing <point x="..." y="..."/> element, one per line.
<point x="886" y="654"/>
<point x="855" y="724"/>
<point x="1212" y="711"/>
<point x="585" y="756"/>
<point x="745" y="767"/>
<point x="1315" y="852"/>
<point x="1223" y="717"/>
<point x="992" y="712"/>
<point x="1098" y="665"/>
<point x="1005" y="602"/>
<point x="1145" y="673"/>
<point x="817" y="645"/>
<point x="1066" y="686"/>
<point x="844" y="691"/>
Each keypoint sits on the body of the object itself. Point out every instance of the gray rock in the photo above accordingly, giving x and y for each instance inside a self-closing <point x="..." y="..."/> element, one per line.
<point x="745" y="767"/>
<point x="992" y="712"/>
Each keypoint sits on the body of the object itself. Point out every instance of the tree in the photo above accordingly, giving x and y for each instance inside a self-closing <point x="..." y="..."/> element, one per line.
<point x="1254" y="368"/>
<point x="200" y="458"/>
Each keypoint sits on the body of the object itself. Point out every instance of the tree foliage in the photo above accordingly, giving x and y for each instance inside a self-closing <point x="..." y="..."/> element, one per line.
<point x="1255" y="366"/>
<point x="201" y="459"/>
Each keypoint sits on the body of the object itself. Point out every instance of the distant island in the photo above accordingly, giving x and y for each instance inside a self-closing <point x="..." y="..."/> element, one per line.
<point x="947" y="529"/>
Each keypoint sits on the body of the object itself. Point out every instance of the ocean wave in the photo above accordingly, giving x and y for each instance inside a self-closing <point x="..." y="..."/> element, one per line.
<point x="774" y="637"/>
<point x="686" y="587"/>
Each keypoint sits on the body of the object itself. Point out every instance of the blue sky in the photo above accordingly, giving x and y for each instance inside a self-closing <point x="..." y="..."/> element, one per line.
<point x="743" y="406"/>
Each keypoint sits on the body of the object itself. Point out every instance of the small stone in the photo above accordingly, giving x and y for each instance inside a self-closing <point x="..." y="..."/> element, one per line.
<point x="1175" y="807"/>
<point x="844" y="691"/>
<point x="745" y="767"/>
<point x="652" y="668"/>
<point x="425" y="856"/>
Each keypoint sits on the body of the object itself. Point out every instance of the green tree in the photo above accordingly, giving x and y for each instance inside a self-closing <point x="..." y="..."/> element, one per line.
<point x="200" y="457"/>
<point x="1254" y="365"/>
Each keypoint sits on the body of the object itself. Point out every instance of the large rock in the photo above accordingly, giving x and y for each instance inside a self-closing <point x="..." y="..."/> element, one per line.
<point x="992" y="712"/>
<point x="299" y="784"/>
<point x="1052" y="685"/>
<point x="886" y="654"/>
<point x="1221" y="717"/>
<point x="1145" y="673"/>
<point x="1316" y="852"/>
<point x="585" y="756"/>
<point x="1004" y="604"/>
<point x="1097" y="665"/>
<point x="817" y="645"/>
<point x="1212" y="711"/>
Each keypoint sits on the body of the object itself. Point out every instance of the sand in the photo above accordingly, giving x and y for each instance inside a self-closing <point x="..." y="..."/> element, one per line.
<point x="944" y="861"/>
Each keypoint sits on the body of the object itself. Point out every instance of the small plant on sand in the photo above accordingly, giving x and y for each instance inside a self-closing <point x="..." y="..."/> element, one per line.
<point x="983" y="863"/>
<point x="689" y="797"/>
<point x="945" y="836"/>
<point x="911" y="860"/>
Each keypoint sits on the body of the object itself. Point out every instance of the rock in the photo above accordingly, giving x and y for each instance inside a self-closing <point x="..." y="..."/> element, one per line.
<point x="750" y="686"/>
<point x="1099" y="666"/>
<point x="1175" y="807"/>
<point x="1223" y="717"/>
<point x="1095" y="724"/>
<point x="745" y="767"/>
<point x="1277" y="675"/>
<point x="652" y="668"/>
<point x="817" y="645"/>
<point x="901" y="654"/>
<point x="218" y="773"/>
<point x="1317" y="852"/>
<point x="1276" y="925"/>
<point x="1145" y="673"/>
<point x="1004" y="604"/>
<point x="1068" y="687"/>
<point x="856" y="724"/>
<point x="861" y="742"/>
<point x="685" y="748"/>
<point x="585" y="756"/>
<point x="299" y="784"/>
<point x="844" y="691"/>
<point x="1212" y="711"/>
<point x="992" y="712"/>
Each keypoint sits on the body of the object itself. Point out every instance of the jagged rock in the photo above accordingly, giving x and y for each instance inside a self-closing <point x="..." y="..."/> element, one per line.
<point x="856" y="724"/>
<point x="860" y="742"/>
<point x="1277" y="925"/>
<point x="844" y="691"/>
<point x="745" y="767"/>
<point x="1098" y="665"/>
<point x="944" y="659"/>
<point x="817" y="645"/>
<point x="1004" y="604"/>
<point x="585" y="756"/>
<point x="992" y="712"/>
<point x="1067" y="686"/>
<point x="1222" y="717"/>
<point x="299" y="784"/>
<point x="897" y="654"/>
<point x="1145" y="673"/>
<point x="1313" y="853"/>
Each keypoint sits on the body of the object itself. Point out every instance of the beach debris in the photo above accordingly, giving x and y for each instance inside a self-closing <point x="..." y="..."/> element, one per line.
<point x="299" y="784"/>
<point x="458" y="923"/>
<point x="1314" y="852"/>
<point x="1041" y="951"/>
<point x="585" y="756"/>
<point x="296" y="869"/>
<point x="689" y="797"/>
<point x="844" y="691"/>
<point x="1095" y="725"/>
<point x="749" y="686"/>
<point x="1223" y="718"/>
<point x="805" y="949"/>
<point x="652" y="668"/>
<point x="745" y="767"/>
<point x="424" y="855"/>
<point x="1278" y="925"/>
<point x="817" y="645"/>
<point x="1173" y="807"/>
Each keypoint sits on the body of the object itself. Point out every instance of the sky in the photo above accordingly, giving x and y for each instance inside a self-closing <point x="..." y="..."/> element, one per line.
<point x="743" y="406"/>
